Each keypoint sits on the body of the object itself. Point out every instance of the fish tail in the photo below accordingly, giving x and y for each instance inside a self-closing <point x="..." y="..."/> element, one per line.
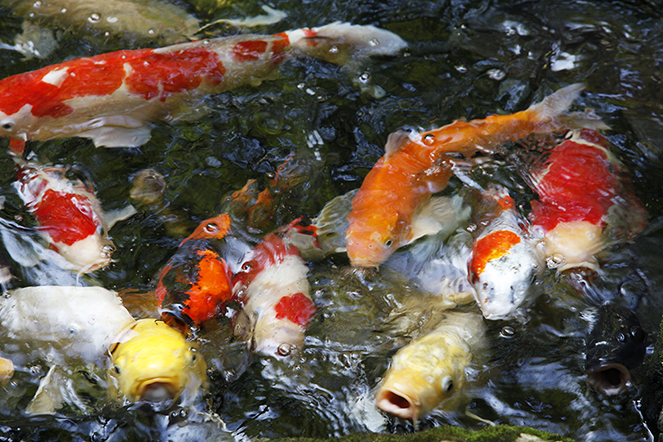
<point x="341" y="43"/>
<point x="552" y="113"/>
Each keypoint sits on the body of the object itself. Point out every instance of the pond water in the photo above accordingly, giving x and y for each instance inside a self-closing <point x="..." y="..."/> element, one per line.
<point x="465" y="59"/>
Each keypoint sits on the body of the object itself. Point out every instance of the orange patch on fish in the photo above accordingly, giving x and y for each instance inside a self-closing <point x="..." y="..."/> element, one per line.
<point x="492" y="246"/>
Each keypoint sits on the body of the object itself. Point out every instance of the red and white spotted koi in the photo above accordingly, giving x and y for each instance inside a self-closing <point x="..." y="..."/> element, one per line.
<point x="274" y="291"/>
<point x="69" y="214"/>
<point x="586" y="202"/>
<point x="505" y="259"/>
<point x="111" y="98"/>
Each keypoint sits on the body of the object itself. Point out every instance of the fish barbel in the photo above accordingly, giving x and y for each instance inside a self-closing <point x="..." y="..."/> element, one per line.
<point x="429" y="372"/>
<point x="111" y="98"/>
<point x="153" y="361"/>
<point x="416" y="165"/>
<point x="505" y="259"/>
<point x="585" y="203"/>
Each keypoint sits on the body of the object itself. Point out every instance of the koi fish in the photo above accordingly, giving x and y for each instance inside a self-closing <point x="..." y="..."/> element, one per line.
<point x="585" y="202"/>
<point x="616" y="345"/>
<point x="505" y="259"/>
<point x="73" y="327"/>
<point x="274" y="292"/>
<point x="196" y="282"/>
<point x="145" y="20"/>
<point x="111" y="98"/>
<point x="154" y="362"/>
<point x="416" y="165"/>
<point x="429" y="372"/>
<point x="69" y="214"/>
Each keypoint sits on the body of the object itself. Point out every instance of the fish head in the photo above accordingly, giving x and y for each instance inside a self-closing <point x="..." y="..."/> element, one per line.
<point x="371" y="240"/>
<point x="423" y="377"/>
<point x="212" y="228"/>
<point x="89" y="254"/>
<point x="573" y="244"/>
<point x="18" y="124"/>
<point x="154" y="362"/>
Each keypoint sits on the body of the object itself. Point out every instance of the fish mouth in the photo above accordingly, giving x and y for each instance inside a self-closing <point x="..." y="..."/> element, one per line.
<point x="609" y="379"/>
<point x="158" y="389"/>
<point x="399" y="405"/>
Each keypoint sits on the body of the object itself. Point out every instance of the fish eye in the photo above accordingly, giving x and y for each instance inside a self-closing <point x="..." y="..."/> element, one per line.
<point x="447" y="384"/>
<point x="117" y="369"/>
<point x="388" y="243"/>
<point x="212" y="228"/>
<point x="7" y="125"/>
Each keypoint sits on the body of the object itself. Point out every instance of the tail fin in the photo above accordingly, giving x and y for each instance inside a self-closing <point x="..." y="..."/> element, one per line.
<point x="553" y="110"/>
<point x="340" y="43"/>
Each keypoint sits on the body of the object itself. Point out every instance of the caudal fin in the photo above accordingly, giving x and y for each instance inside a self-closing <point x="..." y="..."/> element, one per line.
<point x="340" y="43"/>
<point x="554" y="111"/>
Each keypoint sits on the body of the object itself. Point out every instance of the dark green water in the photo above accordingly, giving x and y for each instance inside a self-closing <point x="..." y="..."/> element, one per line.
<point x="466" y="59"/>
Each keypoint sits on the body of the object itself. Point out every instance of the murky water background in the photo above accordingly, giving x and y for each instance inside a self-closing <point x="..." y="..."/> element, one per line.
<point x="466" y="59"/>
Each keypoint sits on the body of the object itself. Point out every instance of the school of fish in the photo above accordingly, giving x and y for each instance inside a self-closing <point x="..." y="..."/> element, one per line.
<point x="476" y="254"/>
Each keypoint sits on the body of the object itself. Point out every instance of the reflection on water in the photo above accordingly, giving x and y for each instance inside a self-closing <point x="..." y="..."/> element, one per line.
<point x="468" y="58"/>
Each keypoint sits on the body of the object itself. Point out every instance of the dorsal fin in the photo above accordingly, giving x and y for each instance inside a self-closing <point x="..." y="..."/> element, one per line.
<point x="396" y="141"/>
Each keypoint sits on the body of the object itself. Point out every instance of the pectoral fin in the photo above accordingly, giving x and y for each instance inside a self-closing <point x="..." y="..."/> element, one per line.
<point x="439" y="214"/>
<point x="48" y="398"/>
<point x="115" y="216"/>
<point x="115" y="136"/>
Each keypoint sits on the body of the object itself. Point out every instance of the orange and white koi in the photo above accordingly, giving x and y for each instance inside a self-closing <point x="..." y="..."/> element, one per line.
<point x="505" y="259"/>
<point x="585" y="201"/>
<point x="274" y="292"/>
<point x="69" y="215"/>
<point x="196" y="282"/>
<point x="111" y="98"/>
<point x="417" y="165"/>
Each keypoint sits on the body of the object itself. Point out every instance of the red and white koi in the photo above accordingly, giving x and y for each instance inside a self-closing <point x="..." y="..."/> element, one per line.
<point x="585" y="201"/>
<point x="196" y="282"/>
<point x="111" y="98"/>
<point x="505" y="259"/>
<point x="69" y="214"/>
<point x="417" y="165"/>
<point x="274" y="291"/>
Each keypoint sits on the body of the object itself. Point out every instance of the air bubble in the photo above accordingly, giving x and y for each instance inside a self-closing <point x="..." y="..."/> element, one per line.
<point x="374" y="42"/>
<point x="333" y="50"/>
<point x="460" y="68"/>
<point x="37" y="4"/>
<point x="429" y="139"/>
<point x="507" y="332"/>
<point x="555" y="260"/>
<point x="285" y="349"/>
<point x="151" y="31"/>
<point x="364" y="77"/>
<point x="496" y="74"/>
<point x="63" y="10"/>
<point x="94" y="18"/>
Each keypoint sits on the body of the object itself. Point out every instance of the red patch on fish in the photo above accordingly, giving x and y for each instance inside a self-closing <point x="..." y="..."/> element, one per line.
<point x="164" y="74"/>
<point x="149" y="74"/>
<point x="490" y="247"/>
<point x="297" y="308"/>
<point x="278" y="48"/>
<point x="67" y="217"/>
<point x="579" y="185"/>
<point x="250" y="50"/>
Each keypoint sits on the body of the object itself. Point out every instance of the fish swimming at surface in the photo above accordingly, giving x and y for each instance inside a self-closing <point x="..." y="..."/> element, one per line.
<point x="505" y="259"/>
<point x="416" y="165"/>
<point x="585" y="200"/>
<point x="112" y="98"/>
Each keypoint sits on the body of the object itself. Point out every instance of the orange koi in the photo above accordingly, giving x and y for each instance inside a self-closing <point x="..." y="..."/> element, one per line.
<point x="111" y="98"/>
<point x="585" y="201"/>
<point x="196" y="282"/>
<point x="417" y="165"/>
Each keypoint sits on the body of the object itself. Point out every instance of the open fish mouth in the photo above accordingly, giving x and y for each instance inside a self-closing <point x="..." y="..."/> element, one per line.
<point x="158" y="389"/>
<point x="397" y="404"/>
<point x="609" y="379"/>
